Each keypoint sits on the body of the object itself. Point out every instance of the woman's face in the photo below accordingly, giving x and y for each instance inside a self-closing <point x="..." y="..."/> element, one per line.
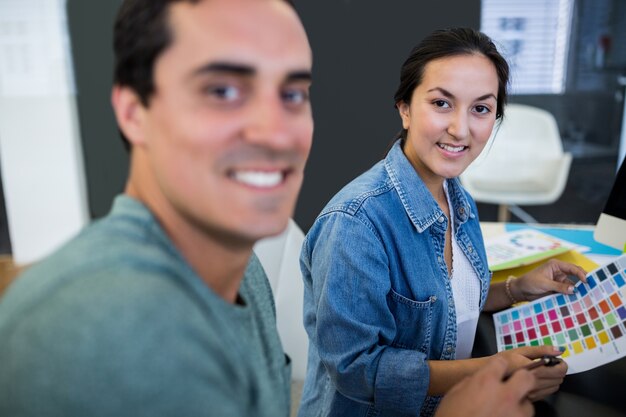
<point x="450" y="116"/>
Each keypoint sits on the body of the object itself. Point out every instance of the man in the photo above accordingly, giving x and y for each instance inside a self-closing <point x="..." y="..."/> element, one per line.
<point x="160" y="308"/>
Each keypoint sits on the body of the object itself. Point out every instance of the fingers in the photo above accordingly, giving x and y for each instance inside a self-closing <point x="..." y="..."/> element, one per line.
<point x="534" y="352"/>
<point x="568" y="269"/>
<point x="552" y="372"/>
<point x="548" y="380"/>
<point x="520" y="384"/>
<point x="486" y="394"/>
<point x="541" y="394"/>
<point x="526" y="409"/>
<point x="496" y="366"/>
<point x="565" y="287"/>
<point x="550" y="375"/>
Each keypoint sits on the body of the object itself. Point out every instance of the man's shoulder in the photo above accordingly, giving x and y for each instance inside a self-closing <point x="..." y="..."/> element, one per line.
<point x="99" y="272"/>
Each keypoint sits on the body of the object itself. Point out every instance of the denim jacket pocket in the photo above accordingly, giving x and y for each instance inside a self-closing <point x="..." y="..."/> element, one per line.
<point x="413" y="321"/>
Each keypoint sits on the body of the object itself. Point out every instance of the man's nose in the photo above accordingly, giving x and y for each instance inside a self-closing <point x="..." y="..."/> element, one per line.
<point x="268" y="123"/>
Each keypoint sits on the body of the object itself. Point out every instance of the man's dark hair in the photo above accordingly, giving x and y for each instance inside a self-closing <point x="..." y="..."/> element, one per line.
<point x="141" y="34"/>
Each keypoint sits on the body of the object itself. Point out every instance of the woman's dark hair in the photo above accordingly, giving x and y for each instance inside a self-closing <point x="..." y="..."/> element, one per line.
<point x="446" y="43"/>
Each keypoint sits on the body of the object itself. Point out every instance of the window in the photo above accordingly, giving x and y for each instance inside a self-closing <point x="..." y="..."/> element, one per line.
<point x="533" y="35"/>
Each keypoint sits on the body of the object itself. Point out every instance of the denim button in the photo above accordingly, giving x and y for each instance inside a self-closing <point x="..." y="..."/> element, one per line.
<point x="433" y="298"/>
<point x="461" y="211"/>
<point x="439" y="259"/>
<point x="449" y="349"/>
<point x="470" y="249"/>
<point x="441" y="219"/>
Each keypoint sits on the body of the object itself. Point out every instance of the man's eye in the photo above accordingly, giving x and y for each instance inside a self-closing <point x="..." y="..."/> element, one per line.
<point x="295" y="96"/>
<point x="224" y="92"/>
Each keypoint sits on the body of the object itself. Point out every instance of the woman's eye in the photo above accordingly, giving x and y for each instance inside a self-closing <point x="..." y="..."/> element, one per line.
<point x="482" y="109"/>
<point x="441" y="103"/>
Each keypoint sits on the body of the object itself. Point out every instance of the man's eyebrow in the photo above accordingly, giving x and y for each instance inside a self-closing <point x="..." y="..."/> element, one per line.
<point x="246" y="71"/>
<point x="448" y="94"/>
<point x="225" y="67"/>
<point x="300" y="76"/>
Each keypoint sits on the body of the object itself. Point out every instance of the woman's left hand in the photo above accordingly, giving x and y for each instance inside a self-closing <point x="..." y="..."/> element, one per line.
<point x="550" y="277"/>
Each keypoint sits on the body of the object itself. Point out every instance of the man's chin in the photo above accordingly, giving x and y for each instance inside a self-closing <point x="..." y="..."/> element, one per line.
<point x="267" y="228"/>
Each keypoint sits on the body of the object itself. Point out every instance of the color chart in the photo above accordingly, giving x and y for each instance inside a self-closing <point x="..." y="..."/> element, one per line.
<point x="590" y="324"/>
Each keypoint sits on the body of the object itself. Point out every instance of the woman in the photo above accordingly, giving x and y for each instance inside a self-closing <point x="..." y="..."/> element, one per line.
<point x="395" y="268"/>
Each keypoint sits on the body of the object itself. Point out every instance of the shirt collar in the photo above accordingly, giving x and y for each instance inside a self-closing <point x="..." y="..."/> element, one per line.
<point x="417" y="200"/>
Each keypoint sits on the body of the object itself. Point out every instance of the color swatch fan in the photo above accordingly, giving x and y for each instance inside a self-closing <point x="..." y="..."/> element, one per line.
<point x="590" y="324"/>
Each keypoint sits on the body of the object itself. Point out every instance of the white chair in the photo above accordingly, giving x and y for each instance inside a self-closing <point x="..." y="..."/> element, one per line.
<point x="523" y="163"/>
<point x="280" y="257"/>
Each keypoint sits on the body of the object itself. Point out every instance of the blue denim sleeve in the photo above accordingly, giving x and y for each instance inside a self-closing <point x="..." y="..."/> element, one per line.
<point x="354" y="328"/>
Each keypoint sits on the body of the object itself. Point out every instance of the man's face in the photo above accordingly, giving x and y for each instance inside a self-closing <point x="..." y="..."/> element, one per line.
<point x="228" y="130"/>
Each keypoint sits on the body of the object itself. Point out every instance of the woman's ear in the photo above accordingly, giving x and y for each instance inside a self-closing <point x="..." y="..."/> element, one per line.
<point x="129" y="113"/>
<point x="405" y="113"/>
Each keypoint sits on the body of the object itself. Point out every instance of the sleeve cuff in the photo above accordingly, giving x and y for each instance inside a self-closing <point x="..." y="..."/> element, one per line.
<point x="402" y="380"/>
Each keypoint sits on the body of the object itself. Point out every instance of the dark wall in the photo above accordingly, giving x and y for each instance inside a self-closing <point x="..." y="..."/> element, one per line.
<point x="106" y="160"/>
<point x="358" y="49"/>
<point x="5" y="239"/>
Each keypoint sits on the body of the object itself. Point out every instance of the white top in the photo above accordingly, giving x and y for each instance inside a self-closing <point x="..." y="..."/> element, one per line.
<point x="466" y="293"/>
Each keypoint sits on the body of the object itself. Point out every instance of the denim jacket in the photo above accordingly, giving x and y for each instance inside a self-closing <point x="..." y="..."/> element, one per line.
<point x="377" y="301"/>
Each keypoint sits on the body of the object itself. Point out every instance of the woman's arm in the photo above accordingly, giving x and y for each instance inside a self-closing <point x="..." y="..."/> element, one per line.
<point x="548" y="278"/>
<point x="444" y="374"/>
<point x="349" y="320"/>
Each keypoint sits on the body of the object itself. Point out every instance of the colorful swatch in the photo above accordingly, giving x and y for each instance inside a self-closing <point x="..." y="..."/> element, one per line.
<point x="590" y="324"/>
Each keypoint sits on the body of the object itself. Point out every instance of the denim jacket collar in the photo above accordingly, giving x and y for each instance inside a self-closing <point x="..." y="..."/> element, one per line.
<point x="414" y="194"/>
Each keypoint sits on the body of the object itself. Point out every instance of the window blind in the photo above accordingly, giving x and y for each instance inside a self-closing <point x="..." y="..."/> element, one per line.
<point x="533" y="35"/>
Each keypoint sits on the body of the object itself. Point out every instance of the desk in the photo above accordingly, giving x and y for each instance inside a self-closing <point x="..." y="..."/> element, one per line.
<point x="8" y="271"/>
<point x="579" y="234"/>
<point x="595" y="392"/>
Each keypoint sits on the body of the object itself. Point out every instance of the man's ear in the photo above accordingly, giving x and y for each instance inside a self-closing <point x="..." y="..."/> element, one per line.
<point x="405" y="113"/>
<point x="130" y="114"/>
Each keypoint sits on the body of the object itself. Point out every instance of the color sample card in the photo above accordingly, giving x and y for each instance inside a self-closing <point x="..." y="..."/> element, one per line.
<point x="523" y="247"/>
<point x="590" y="324"/>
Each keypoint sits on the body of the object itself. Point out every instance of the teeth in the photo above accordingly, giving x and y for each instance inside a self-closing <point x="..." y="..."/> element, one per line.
<point x="451" y="148"/>
<point x="261" y="179"/>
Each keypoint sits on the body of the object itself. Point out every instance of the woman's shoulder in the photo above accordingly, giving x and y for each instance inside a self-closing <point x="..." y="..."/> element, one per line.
<point x="371" y="184"/>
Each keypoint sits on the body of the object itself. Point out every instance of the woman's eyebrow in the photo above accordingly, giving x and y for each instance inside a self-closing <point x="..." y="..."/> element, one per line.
<point x="448" y="94"/>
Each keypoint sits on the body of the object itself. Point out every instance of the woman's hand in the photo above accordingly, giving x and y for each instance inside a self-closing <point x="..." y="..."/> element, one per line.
<point x="550" y="277"/>
<point x="485" y="394"/>
<point x="547" y="378"/>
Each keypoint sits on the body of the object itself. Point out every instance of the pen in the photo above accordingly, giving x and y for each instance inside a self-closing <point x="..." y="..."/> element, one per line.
<point x="543" y="361"/>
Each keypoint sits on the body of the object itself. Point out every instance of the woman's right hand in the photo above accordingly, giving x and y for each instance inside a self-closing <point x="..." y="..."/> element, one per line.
<point x="485" y="394"/>
<point x="547" y="378"/>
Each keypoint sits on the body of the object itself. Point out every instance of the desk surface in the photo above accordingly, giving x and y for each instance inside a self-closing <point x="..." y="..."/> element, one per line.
<point x="491" y="229"/>
<point x="578" y="234"/>
<point x="8" y="271"/>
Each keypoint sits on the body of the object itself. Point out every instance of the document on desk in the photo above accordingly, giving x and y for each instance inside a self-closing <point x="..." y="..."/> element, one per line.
<point x="590" y="324"/>
<point x="523" y="247"/>
<point x="581" y="235"/>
